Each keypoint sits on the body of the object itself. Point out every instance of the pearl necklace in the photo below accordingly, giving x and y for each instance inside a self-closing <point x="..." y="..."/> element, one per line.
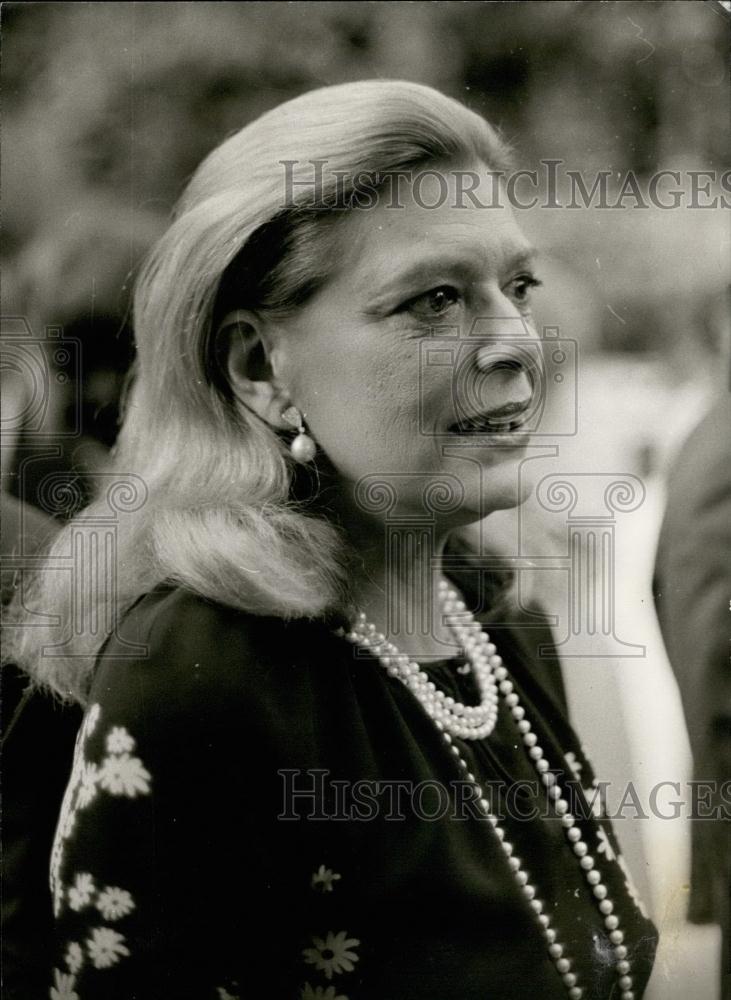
<point x="470" y="722"/>
<point x="466" y="722"/>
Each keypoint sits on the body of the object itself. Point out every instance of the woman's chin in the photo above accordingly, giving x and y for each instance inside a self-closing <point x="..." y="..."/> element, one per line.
<point x="512" y="491"/>
<point x="495" y="487"/>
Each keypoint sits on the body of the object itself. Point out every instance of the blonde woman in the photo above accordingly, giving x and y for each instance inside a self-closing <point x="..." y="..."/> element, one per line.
<point x="305" y="769"/>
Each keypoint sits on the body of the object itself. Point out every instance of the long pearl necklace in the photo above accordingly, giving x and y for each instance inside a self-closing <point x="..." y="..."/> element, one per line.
<point x="475" y="722"/>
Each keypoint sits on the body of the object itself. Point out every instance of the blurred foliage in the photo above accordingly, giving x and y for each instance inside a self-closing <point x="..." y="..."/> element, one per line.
<point x="108" y="108"/>
<point x="128" y="97"/>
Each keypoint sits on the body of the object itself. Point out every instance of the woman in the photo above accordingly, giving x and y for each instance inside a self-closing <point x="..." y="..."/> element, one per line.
<point x="304" y="770"/>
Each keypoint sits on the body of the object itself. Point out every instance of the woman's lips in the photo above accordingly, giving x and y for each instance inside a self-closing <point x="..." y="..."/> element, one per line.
<point x="500" y="420"/>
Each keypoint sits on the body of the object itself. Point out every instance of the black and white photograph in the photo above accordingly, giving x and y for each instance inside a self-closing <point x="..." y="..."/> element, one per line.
<point x="366" y="500"/>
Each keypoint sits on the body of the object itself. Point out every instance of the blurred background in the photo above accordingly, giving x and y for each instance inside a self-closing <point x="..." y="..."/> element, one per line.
<point x="109" y="107"/>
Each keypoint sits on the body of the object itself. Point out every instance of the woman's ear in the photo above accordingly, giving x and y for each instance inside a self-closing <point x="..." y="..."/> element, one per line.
<point x="246" y="353"/>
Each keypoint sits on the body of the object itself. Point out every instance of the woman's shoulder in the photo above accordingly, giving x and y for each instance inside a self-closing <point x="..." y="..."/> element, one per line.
<point x="171" y="619"/>
<point x="174" y="646"/>
<point x="171" y="616"/>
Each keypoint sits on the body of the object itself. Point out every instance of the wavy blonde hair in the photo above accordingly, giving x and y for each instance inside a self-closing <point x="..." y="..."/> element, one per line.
<point x="208" y="499"/>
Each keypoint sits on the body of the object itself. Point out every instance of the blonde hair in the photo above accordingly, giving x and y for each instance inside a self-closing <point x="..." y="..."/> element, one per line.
<point x="208" y="487"/>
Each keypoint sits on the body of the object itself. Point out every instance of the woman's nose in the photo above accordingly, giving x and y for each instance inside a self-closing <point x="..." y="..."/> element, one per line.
<point x="507" y="362"/>
<point x="505" y="381"/>
<point x="503" y="357"/>
<point x="506" y="373"/>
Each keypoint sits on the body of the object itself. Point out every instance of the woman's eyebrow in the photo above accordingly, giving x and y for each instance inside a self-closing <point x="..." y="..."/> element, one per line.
<point x="388" y="280"/>
<point x="469" y="264"/>
<point x="525" y="257"/>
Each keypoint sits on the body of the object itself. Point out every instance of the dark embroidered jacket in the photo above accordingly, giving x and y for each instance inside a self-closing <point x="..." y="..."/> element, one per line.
<point x="255" y="811"/>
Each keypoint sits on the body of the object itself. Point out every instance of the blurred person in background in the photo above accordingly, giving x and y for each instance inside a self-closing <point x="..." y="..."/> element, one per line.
<point x="251" y="665"/>
<point x="692" y="589"/>
<point x="69" y="302"/>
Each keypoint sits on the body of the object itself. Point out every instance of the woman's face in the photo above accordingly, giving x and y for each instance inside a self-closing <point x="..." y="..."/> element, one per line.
<point x="407" y="363"/>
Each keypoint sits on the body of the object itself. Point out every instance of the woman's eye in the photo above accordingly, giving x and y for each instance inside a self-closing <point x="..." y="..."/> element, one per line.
<point x="434" y="303"/>
<point x="520" y="288"/>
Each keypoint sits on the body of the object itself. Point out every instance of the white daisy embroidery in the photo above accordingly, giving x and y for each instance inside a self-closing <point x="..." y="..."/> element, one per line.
<point x="88" y="787"/>
<point x="105" y="947"/>
<point x="119" y="774"/>
<point x="632" y="888"/>
<point x="63" y="986"/>
<point x="81" y="891"/>
<point x="67" y="823"/>
<point x="114" y="903"/>
<point x="74" y="957"/>
<point x="333" y="955"/>
<point x="58" y="896"/>
<point x="323" y="879"/>
<point x="120" y="741"/>
<point x="595" y="799"/>
<point x="605" y="847"/>
<point x="320" y="993"/>
<point x="575" y="764"/>
<point x="124" y="775"/>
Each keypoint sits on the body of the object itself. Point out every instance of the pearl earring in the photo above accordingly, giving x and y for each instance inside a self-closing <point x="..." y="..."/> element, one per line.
<point x="303" y="448"/>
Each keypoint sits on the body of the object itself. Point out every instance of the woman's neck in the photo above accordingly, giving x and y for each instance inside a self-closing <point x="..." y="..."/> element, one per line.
<point x="395" y="580"/>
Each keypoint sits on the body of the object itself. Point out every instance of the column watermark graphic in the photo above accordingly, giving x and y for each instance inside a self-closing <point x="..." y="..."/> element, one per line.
<point x="42" y="375"/>
<point x="591" y="503"/>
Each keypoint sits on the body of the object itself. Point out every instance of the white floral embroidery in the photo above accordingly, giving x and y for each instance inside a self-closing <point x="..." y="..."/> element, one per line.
<point x="223" y="994"/>
<point x="119" y="774"/>
<point x="90" y="720"/>
<point x="124" y="775"/>
<point x="81" y="891"/>
<point x="88" y="786"/>
<point x="58" y="896"/>
<point x="320" y="993"/>
<point x="333" y="955"/>
<point x="114" y="903"/>
<point x="575" y="764"/>
<point x="595" y="799"/>
<point x="605" y="847"/>
<point x="323" y="879"/>
<point x="67" y="824"/>
<point x="63" y="988"/>
<point x="74" y="957"/>
<point x="632" y="888"/>
<point x="120" y="741"/>
<point x="69" y="805"/>
<point x="105" y="947"/>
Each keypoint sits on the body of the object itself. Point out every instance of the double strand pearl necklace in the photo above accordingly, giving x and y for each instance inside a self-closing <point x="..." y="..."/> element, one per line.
<point x="469" y="722"/>
<point x="475" y="722"/>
